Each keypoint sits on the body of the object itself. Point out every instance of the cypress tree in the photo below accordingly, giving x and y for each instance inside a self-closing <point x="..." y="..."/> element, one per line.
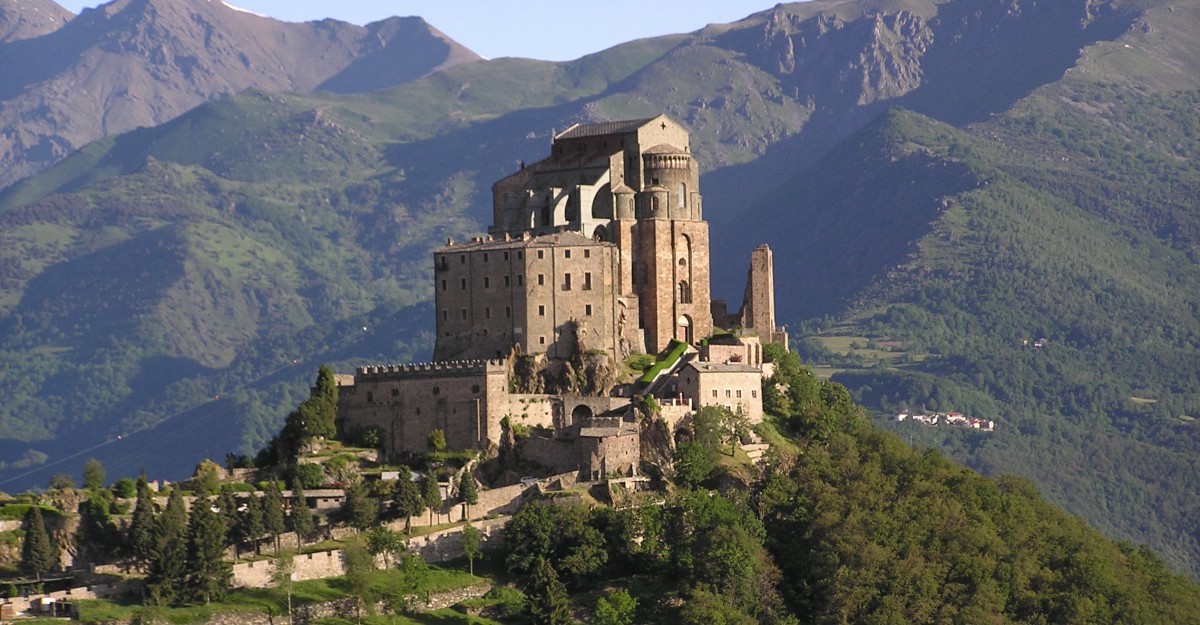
<point x="38" y="554"/>
<point x="251" y="524"/>
<point x="468" y="490"/>
<point x="209" y="575"/>
<point x="432" y="495"/>
<point x="227" y="504"/>
<point x="274" y="521"/>
<point x="140" y="536"/>
<point x="301" y="519"/>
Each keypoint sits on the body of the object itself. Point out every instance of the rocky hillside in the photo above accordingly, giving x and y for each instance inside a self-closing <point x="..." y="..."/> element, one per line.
<point x="26" y="19"/>
<point x="940" y="180"/>
<point x="137" y="63"/>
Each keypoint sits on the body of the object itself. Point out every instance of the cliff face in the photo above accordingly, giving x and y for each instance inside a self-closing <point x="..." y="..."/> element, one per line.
<point x="135" y="63"/>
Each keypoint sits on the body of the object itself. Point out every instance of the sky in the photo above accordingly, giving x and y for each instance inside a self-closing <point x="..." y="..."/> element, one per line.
<point x="550" y="30"/>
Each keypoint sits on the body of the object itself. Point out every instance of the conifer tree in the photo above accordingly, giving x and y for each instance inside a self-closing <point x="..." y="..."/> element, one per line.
<point x="227" y="504"/>
<point x="167" y="577"/>
<point x="209" y="575"/>
<point x="38" y="554"/>
<point x="359" y="509"/>
<point x="407" y="501"/>
<point x="140" y="535"/>
<point x="548" y="600"/>
<point x="96" y="537"/>
<point x="468" y="491"/>
<point x="250" y="523"/>
<point x="274" y="521"/>
<point x="432" y="495"/>
<point x="301" y="520"/>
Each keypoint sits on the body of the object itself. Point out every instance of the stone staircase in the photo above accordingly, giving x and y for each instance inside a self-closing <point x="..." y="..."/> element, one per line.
<point x="755" y="449"/>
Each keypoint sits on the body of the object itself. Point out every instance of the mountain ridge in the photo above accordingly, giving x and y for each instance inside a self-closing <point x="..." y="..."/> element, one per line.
<point x="132" y="63"/>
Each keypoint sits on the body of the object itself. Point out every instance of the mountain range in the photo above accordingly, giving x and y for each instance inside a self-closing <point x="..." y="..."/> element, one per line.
<point x="944" y="183"/>
<point x="138" y="63"/>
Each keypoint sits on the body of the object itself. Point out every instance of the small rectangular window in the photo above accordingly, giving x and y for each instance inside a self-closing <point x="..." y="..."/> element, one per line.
<point x="541" y="311"/>
<point x="520" y="255"/>
<point x="487" y="282"/>
<point x="507" y="280"/>
<point x="520" y="280"/>
<point x="462" y="259"/>
<point x="541" y="253"/>
<point x="463" y="283"/>
<point x="464" y="313"/>
<point x="541" y="340"/>
<point x="566" y="253"/>
<point x="587" y="253"/>
<point x="727" y="393"/>
<point x="485" y="257"/>
<point x="541" y="279"/>
<point x="508" y="311"/>
<point x="714" y="392"/>
<point x="587" y="310"/>
<point x="739" y="393"/>
<point x="754" y="394"/>
<point x="487" y="314"/>
<point x="443" y="285"/>
<point x="506" y="256"/>
<point x="587" y="281"/>
<point x="566" y="282"/>
<point x="445" y="315"/>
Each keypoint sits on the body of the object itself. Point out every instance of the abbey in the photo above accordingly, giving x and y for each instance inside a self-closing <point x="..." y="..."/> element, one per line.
<point x="606" y="234"/>
<point x="600" y="249"/>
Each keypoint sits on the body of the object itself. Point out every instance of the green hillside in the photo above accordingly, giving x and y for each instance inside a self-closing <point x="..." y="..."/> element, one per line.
<point x="940" y="181"/>
<point x="928" y="286"/>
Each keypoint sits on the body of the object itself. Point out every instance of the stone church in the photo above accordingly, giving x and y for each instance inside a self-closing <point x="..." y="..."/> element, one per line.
<point x="600" y="247"/>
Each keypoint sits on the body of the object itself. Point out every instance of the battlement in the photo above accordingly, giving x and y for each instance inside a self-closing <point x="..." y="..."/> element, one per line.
<point x="427" y="369"/>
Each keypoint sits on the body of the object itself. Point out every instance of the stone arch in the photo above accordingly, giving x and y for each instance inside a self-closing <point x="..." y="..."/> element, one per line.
<point x="683" y="329"/>
<point x="581" y="413"/>
<point x="683" y="251"/>
<point x="600" y="233"/>
<point x="602" y="203"/>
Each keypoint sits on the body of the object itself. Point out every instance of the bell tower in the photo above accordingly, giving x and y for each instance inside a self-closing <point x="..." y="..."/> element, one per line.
<point x="672" y="253"/>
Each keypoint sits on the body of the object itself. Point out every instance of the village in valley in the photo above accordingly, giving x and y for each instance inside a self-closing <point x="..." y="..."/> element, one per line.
<point x="952" y="419"/>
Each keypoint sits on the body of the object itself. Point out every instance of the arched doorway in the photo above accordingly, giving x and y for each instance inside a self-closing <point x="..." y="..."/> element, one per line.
<point x="683" y="329"/>
<point x="581" y="413"/>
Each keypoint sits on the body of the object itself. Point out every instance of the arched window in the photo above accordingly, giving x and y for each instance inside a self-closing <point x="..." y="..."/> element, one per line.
<point x="654" y="203"/>
<point x="682" y="195"/>
<point x="685" y="292"/>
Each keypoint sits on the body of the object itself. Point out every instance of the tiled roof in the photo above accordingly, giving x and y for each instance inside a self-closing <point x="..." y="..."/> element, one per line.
<point x="602" y="128"/>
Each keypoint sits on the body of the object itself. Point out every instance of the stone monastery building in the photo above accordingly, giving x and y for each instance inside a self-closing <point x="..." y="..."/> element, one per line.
<point x="600" y="248"/>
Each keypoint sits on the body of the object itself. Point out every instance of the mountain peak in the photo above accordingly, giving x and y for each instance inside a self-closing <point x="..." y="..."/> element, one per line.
<point x="27" y="19"/>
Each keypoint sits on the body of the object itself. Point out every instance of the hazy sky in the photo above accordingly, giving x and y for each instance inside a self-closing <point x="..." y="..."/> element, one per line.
<point x="552" y="30"/>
